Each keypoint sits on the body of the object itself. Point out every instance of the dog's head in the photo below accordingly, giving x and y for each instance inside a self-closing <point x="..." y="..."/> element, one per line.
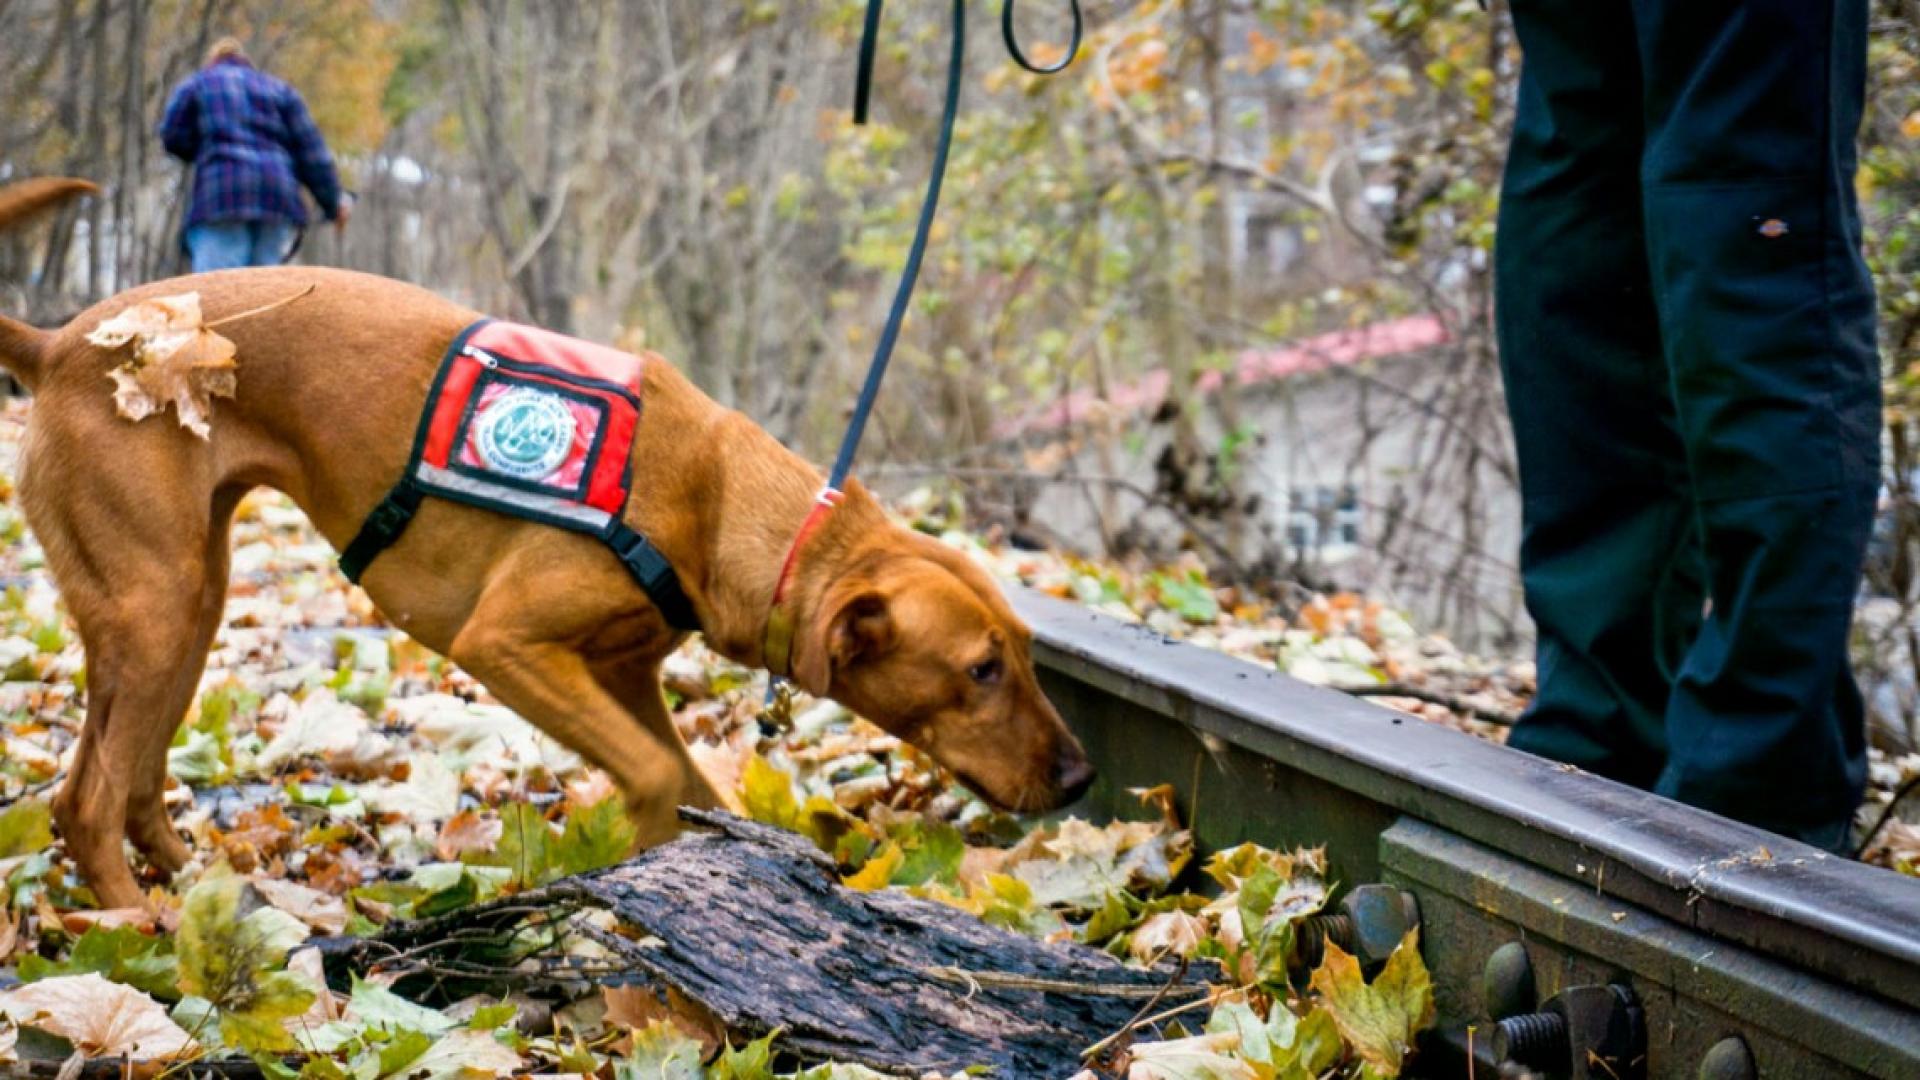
<point x="918" y="639"/>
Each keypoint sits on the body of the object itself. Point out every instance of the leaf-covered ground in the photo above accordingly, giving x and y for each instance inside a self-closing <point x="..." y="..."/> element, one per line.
<point x="334" y="776"/>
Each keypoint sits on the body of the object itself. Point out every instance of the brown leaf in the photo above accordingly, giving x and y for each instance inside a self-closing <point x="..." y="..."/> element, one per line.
<point x="307" y="964"/>
<point x="102" y="1018"/>
<point x="592" y="788"/>
<point x="467" y="831"/>
<point x="177" y="360"/>
<point x="637" y="1006"/>
<point x="1168" y="933"/>
<point x="79" y="922"/>
<point x="327" y="914"/>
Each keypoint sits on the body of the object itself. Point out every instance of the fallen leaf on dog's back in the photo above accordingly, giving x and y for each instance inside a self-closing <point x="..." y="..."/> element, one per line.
<point x="177" y="360"/>
<point x="102" y="1018"/>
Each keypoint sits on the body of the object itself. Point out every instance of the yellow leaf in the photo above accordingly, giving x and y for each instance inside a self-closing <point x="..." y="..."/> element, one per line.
<point x="768" y="793"/>
<point x="1379" y="1020"/>
<point x="1910" y="127"/>
<point x="878" y="871"/>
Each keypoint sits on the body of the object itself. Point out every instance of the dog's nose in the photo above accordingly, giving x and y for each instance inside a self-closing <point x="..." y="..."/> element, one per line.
<point x="1073" y="775"/>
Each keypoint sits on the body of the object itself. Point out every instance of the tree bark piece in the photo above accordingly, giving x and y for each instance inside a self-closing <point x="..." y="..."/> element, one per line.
<point x="751" y="923"/>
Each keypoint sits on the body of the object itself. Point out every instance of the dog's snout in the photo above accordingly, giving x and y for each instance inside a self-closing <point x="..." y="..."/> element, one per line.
<point x="1073" y="775"/>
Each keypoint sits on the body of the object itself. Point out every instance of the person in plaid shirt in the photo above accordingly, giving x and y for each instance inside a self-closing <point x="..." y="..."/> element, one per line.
<point x="252" y="144"/>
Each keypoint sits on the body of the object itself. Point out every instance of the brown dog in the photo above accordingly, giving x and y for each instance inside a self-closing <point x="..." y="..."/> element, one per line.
<point x="134" y="519"/>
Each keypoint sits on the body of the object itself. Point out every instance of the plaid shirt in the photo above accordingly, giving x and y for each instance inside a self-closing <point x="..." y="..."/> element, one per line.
<point x="251" y="143"/>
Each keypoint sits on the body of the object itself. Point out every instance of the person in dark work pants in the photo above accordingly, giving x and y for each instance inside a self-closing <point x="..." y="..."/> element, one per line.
<point x="1686" y="330"/>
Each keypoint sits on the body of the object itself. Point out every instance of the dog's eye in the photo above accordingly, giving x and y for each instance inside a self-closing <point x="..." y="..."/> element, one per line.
<point x="985" y="672"/>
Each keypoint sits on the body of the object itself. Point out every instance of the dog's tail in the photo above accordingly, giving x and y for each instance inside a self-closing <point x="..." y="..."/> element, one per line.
<point x="23" y="347"/>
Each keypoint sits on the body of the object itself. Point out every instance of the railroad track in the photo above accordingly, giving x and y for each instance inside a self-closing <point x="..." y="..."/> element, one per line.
<point x="1579" y="910"/>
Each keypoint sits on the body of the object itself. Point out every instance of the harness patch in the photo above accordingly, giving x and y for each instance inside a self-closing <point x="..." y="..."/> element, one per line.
<point x="524" y="433"/>
<point x="534" y="424"/>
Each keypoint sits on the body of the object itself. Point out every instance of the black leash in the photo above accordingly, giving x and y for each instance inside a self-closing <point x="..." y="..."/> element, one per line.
<point x="910" y="274"/>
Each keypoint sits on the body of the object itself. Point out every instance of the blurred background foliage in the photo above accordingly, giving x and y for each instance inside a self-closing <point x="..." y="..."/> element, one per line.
<point x="1214" y="182"/>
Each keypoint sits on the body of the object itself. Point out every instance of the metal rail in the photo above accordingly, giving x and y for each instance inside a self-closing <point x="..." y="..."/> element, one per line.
<point x="1721" y="928"/>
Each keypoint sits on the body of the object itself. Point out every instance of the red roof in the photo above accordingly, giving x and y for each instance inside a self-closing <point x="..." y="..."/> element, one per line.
<point x="1342" y="348"/>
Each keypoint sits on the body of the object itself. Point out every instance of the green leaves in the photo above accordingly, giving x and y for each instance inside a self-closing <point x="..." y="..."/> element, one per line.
<point x="535" y="854"/>
<point x="753" y="1061"/>
<point x="380" y="1009"/>
<point x="26" y="827"/>
<point x="121" y="954"/>
<point x="233" y="953"/>
<point x="1288" y="1047"/>
<point x="1379" y="1019"/>
<point x="595" y="836"/>
<point x="660" y="1052"/>
<point x="1189" y="596"/>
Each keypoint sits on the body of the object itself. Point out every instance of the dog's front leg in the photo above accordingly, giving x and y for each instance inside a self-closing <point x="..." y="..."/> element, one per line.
<point x="550" y="685"/>
<point x="635" y="683"/>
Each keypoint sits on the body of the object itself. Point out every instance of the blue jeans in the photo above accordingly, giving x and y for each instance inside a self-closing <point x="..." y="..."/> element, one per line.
<point x="225" y="245"/>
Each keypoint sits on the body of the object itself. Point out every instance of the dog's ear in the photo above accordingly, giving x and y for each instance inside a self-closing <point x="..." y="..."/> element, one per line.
<point x="853" y="626"/>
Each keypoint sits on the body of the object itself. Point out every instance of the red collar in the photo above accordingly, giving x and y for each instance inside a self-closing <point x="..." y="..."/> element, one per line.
<point x="777" y="650"/>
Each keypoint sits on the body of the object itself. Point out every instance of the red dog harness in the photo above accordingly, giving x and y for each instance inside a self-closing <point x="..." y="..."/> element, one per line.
<point x="537" y="425"/>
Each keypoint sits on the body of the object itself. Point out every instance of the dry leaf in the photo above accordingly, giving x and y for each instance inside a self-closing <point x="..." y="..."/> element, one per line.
<point x="327" y="914"/>
<point x="79" y="922"/>
<point x="177" y="360"/>
<point x="638" y="1006"/>
<point x="1201" y="1057"/>
<point x="467" y="831"/>
<point x="1168" y="933"/>
<point x="307" y="964"/>
<point x="104" y="1019"/>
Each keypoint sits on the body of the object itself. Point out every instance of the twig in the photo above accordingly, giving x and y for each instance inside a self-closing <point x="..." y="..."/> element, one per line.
<point x="1886" y="815"/>
<point x="34" y="790"/>
<point x="1002" y="981"/>
<point x="1144" y="1010"/>
<point x="264" y="308"/>
<point x="1154" y="1019"/>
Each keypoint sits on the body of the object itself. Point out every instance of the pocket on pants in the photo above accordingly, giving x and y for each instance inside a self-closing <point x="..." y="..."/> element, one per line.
<point x="1758" y="321"/>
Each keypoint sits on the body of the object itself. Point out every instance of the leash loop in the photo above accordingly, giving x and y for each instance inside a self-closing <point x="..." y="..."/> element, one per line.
<point x="910" y="274"/>
<point x="1013" y="41"/>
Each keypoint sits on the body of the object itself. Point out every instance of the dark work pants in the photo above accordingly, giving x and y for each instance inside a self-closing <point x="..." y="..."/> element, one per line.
<point x="1686" y="329"/>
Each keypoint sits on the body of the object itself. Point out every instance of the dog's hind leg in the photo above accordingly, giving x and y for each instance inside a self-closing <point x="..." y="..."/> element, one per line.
<point x="138" y="638"/>
<point x="148" y="824"/>
<point x="127" y="549"/>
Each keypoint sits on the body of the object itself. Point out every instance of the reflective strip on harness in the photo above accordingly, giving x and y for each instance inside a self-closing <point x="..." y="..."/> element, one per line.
<point x="536" y="425"/>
